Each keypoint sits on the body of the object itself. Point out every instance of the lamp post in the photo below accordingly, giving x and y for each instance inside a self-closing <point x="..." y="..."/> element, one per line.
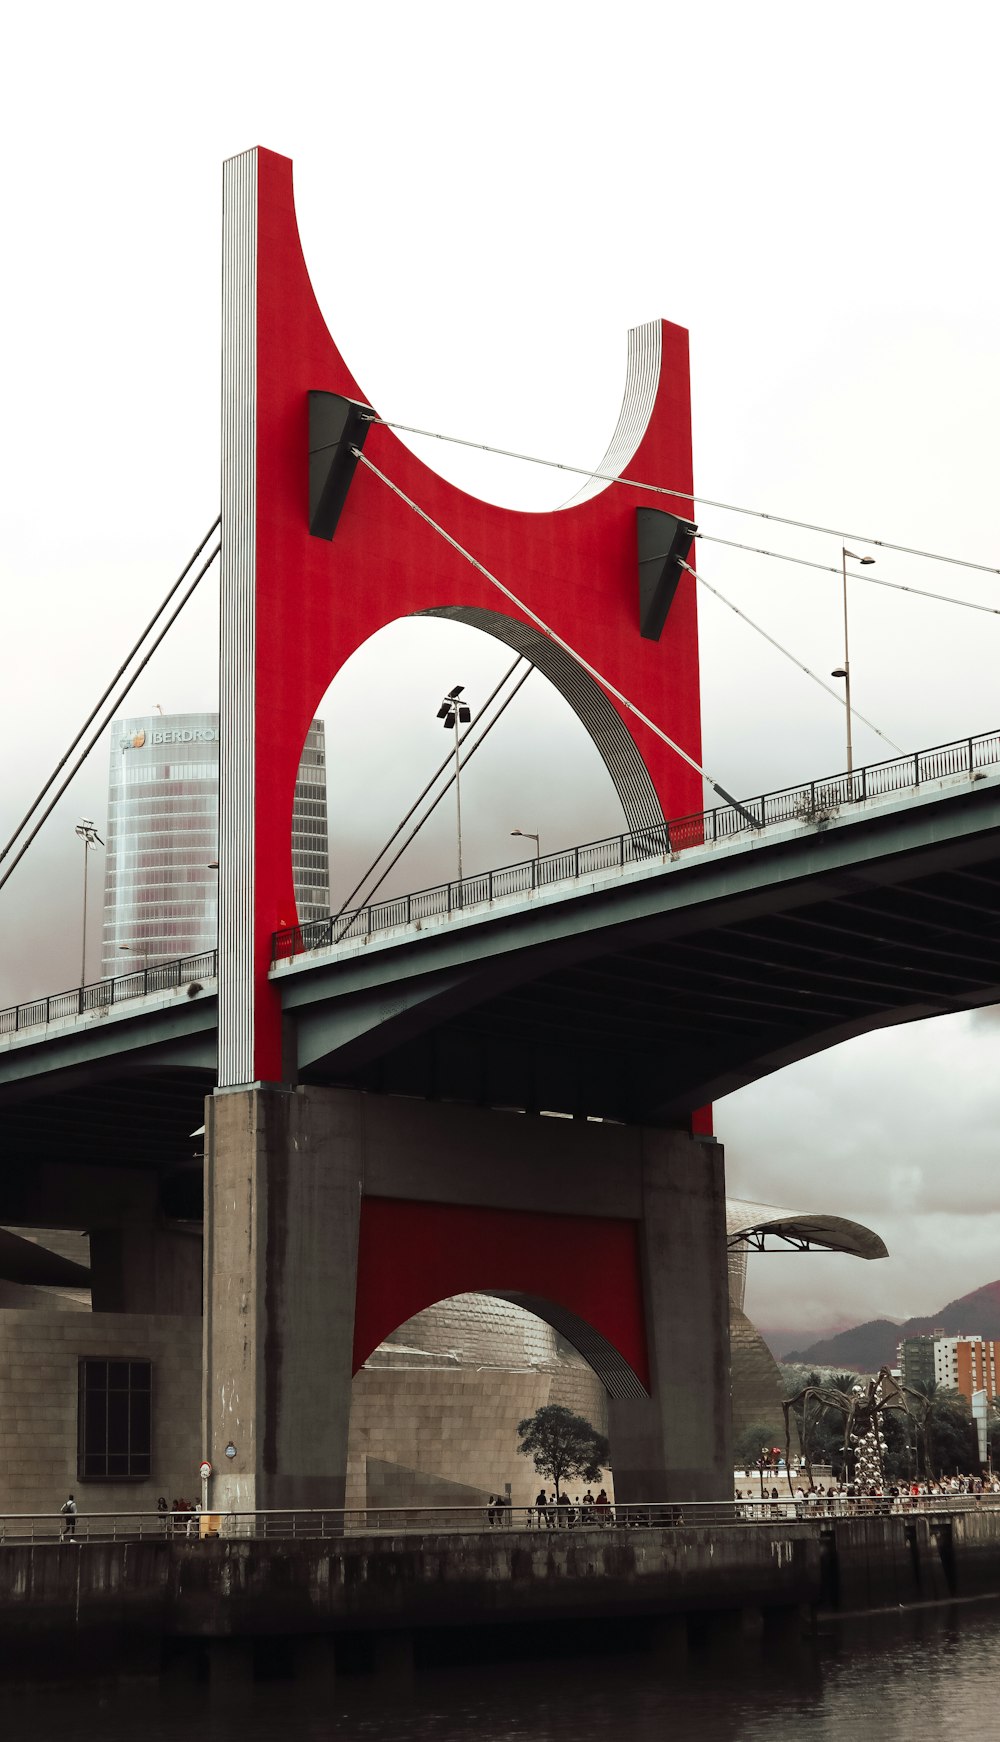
<point x="452" y="713"/>
<point x="87" y="833"/>
<point x="527" y="835"/>
<point x="844" y="670"/>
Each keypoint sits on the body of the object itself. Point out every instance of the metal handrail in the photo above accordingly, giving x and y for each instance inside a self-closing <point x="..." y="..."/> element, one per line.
<point x="813" y="801"/>
<point x="103" y="994"/>
<point x="317" y="1523"/>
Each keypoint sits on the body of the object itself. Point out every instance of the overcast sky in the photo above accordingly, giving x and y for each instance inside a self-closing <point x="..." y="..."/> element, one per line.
<point x="489" y="198"/>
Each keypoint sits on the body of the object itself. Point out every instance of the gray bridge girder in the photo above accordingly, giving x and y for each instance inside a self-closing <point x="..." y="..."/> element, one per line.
<point x="646" y="998"/>
<point x="174" y="1032"/>
<point x="636" y="1000"/>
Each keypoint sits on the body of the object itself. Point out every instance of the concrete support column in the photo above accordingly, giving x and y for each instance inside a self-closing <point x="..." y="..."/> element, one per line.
<point x="677" y="1444"/>
<point x="282" y="1204"/>
<point x="146" y="1267"/>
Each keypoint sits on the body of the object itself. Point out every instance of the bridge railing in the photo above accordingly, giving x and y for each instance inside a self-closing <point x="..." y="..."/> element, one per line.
<point x="103" y="994"/>
<point x="814" y="801"/>
<point x="393" y="1521"/>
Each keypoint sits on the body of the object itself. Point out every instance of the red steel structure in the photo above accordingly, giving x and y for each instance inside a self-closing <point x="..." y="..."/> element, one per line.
<point x="295" y="606"/>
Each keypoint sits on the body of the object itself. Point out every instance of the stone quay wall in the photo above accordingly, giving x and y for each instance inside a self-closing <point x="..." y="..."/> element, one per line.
<point x="230" y="1589"/>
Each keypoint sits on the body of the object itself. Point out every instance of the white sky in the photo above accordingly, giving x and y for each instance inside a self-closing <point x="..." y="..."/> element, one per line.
<point x="488" y="199"/>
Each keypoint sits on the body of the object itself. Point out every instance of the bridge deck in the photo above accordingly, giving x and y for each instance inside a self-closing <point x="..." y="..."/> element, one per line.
<point x="634" y="990"/>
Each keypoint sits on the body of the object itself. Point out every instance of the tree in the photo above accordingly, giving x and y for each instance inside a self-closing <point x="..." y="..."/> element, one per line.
<point x="562" y="1445"/>
<point x="952" y="1433"/>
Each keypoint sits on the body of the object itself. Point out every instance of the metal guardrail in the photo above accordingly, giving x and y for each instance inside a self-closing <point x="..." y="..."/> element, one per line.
<point x="315" y="1524"/>
<point x="103" y="994"/>
<point x="815" y="801"/>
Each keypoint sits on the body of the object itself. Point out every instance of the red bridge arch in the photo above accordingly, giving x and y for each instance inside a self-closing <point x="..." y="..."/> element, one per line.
<point x="295" y="607"/>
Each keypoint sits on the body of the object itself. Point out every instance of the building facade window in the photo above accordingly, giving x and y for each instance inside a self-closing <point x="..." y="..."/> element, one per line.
<point x="161" y="882"/>
<point x="115" y="1420"/>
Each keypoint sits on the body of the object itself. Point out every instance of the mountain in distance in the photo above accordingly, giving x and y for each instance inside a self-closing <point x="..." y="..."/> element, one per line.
<point x="866" y="1348"/>
<point x="779" y="1338"/>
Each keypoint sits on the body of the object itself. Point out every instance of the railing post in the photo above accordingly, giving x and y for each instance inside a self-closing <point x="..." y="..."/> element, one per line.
<point x="916" y="768"/>
<point x="970" y="755"/>
<point x="576" y="861"/>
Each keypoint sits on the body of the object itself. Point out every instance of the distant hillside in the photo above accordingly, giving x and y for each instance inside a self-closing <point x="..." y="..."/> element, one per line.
<point x="870" y="1346"/>
<point x="862" y="1349"/>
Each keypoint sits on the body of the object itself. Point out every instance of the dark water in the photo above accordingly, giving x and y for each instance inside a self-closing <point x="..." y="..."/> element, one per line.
<point x="913" y="1678"/>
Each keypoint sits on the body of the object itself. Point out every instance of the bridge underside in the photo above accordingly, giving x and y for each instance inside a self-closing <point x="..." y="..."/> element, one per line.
<point x="74" y="1155"/>
<point x="643" y="1003"/>
<point x="638" y="1001"/>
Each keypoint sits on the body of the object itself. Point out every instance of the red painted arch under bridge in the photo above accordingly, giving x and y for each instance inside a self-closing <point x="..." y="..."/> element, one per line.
<point x="581" y="1274"/>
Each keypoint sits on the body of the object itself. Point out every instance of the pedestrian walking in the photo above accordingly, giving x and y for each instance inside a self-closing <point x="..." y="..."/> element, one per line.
<point x="68" y="1510"/>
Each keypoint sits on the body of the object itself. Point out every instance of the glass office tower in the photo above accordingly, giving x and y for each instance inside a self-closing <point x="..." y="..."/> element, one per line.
<point x="160" y="892"/>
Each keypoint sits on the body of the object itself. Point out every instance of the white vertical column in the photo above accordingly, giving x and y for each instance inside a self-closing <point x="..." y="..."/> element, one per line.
<point x="238" y="625"/>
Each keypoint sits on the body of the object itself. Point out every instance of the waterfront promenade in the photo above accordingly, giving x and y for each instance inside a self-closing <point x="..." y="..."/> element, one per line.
<point x="313" y="1524"/>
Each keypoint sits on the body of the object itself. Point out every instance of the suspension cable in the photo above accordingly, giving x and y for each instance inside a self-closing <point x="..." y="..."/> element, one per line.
<point x="505" y="704"/>
<point x="853" y="574"/>
<point x="448" y="761"/>
<point x="533" y="617"/>
<point x="793" y="657"/>
<point x="107" y="718"/>
<point x="126" y="662"/>
<point x="683" y="495"/>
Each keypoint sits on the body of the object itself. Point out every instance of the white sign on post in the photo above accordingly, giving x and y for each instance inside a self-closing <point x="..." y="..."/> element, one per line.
<point x="205" y="1469"/>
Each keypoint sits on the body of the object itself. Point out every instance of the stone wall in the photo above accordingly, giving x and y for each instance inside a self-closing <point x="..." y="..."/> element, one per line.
<point x="429" y="1437"/>
<point x="39" y="1352"/>
<point x="434" y="1412"/>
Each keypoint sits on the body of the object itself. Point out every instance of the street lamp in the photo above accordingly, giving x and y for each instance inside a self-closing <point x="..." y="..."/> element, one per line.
<point x="87" y="833"/>
<point x="452" y="713"/>
<point x="844" y="670"/>
<point x="527" y="835"/>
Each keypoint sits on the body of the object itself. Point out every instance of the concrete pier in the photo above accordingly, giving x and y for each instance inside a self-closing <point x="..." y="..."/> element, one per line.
<point x="615" y="1235"/>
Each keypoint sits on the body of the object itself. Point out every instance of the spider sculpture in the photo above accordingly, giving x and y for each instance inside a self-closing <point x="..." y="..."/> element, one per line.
<point x="862" y="1409"/>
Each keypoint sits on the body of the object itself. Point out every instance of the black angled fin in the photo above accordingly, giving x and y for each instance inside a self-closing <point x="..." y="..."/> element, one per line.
<point x="336" y="425"/>
<point x="664" y="543"/>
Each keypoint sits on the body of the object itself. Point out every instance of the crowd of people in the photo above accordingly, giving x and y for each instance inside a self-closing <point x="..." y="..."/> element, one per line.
<point x="554" y="1511"/>
<point x="183" y="1515"/>
<point x="889" y="1497"/>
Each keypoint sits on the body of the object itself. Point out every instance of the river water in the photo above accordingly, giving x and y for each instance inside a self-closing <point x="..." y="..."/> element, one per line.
<point x="916" y="1677"/>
